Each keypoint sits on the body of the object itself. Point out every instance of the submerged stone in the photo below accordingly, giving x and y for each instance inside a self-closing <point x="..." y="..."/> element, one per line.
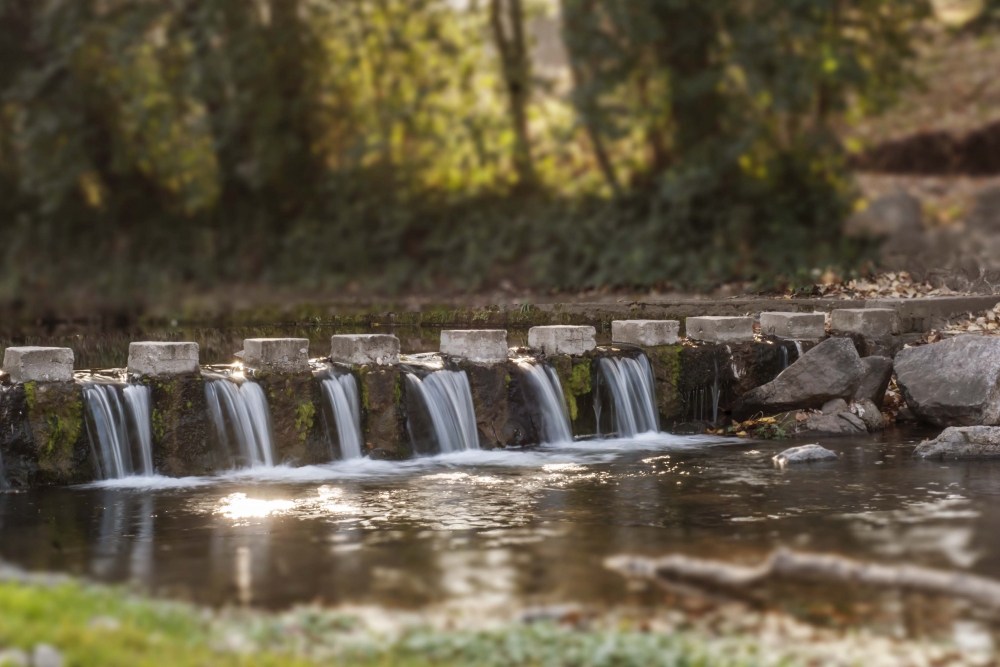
<point x="804" y="454"/>
<point x="830" y="370"/>
<point x="479" y="346"/>
<point x="793" y="326"/>
<point x="163" y="359"/>
<point x="952" y="383"/>
<point x="720" y="329"/>
<point x="645" y="333"/>
<point x="962" y="442"/>
<point x="555" y="340"/>
<point x="38" y="364"/>
<point x="277" y="355"/>
<point x="363" y="349"/>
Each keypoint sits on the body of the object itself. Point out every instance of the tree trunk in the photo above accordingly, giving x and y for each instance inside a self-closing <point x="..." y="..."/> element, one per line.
<point x="513" y="50"/>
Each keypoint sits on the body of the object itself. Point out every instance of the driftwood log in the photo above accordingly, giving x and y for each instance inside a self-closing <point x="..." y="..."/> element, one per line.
<point x="791" y="565"/>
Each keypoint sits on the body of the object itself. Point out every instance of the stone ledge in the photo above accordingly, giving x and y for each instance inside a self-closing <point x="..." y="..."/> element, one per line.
<point x="793" y="326"/>
<point x="484" y="346"/>
<point x="38" y="364"/>
<point x="364" y="349"/>
<point x="645" y="333"/>
<point x="162" y="359"/>
<point x="715" y="329"/>
<point x="277" y="355"/>
<point x="562" y="339"/>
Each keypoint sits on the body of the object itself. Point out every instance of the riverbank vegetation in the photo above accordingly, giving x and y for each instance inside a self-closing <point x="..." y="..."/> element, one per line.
<point x="408" y="144"/>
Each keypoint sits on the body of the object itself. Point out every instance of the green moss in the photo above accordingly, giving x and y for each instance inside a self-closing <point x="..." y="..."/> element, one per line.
<point x="669" y="358"/>
<point x="29" y="393"/>
<point x="159" y="428"/>
<point x="365" y="400"/>
<point x="305" y="414"/>
<point x="56" y="416"/>
<point x="578" y="384"/>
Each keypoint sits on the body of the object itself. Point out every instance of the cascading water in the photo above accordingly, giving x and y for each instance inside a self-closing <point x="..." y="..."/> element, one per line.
<point x="342" y="394"/>
<point x="241" y="414"/>
<point x="783" y="351"/>
<point x="548" y="391"/>
<point x="798" y="349"/>
<point x="633" y="392"/>
<point x="448" y="399"/>
<point x="116" y="428"/>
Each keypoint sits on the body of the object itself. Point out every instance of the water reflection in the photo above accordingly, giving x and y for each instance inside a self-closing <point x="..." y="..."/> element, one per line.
<point x="494" y="528"/>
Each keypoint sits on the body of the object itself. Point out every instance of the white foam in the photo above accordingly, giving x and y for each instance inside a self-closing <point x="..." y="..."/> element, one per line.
<point x="148" y="483"/>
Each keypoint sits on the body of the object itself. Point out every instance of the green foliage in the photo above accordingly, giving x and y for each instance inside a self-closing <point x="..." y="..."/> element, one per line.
<point x="304" y="415"/>
<point x="315" y="142"/>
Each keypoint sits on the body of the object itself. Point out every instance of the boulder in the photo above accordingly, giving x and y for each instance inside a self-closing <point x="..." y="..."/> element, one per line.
<point x="875" y="381"/>
<point x="952" y="383"/>
<point x="962" y="442"/>
<point x="868" y="413"/>
<point x="841" y="423"/>
<point x="804" y="454"/>
<point x="895" y="214"/>
<point x="830" y="370"/>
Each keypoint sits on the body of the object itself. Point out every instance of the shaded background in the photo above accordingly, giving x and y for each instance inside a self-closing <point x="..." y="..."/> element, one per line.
<point x="158" y="151"/>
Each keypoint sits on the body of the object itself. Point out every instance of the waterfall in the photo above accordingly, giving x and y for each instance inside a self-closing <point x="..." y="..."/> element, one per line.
<point x="241" y="413"/>
<point x="342" y="394"/>
<point x="633" y="393"/>
<point x="115" y="428"/>
<point x="798" y="349"/>
<point x="784" y="357"/>
<point x="715" y="393"/>
<point x="548" y="392"/>
<point x="137" y="402"/>
<point x="448" y="399"/>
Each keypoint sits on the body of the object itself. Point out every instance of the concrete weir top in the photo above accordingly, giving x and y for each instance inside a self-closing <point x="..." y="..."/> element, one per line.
<point x="38" y="364"/>
<point x="793" y="326"/>
<point x="364" y="349"/>
<point x="645" y="333"/>
<point x="562" y="339"/>
<point x="481" y="346"/>
<point x="720" y="329"/>
<point x="162" y="359"/>
<point x="277" y="355"/>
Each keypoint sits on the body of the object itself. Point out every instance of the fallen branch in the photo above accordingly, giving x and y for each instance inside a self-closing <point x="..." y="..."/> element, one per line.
<point x="786" y="564"/>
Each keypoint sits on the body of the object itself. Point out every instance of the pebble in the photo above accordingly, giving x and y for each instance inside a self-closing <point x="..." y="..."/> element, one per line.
<point x="46" y="656"/>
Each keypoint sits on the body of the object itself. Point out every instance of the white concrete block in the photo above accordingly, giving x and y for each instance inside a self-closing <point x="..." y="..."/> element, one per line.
<point x="720" y="329"/>
<point x="364" y="349"/>
<point x="162" y="359"/>
<point x="38" y="364"/>
<point x="277" y="355"/>
<point x="480" y="346"/>
<point x="869" y="322"/>
<point x="793" y="326"/>
<point x="562" y="339"/>
<point x="645" y="333"/>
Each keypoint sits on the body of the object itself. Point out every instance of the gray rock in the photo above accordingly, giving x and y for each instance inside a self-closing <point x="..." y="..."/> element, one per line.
<point x="986" y="215"/>
<point x="277" y="355"/>
<point x="159" y="359"/>
<point x="842" y="423"/>
<point x="13" y="657"/>
<point x="868" y="413"/>
<point x="830" y="370"/>
<point x="875" y="382"/>
<point x="867" y="322"/>
<point x="835" y="406"/>
<point x="952" y="383"/>
<point x="720" y="329"/>
<point x="369" y="349"/>
<point x="962" y="442"/>
<point x="890" y="215"/>
<point x="804" y="454"/>
<point x="46" y="656"/>
<point x="645" y="333"/>
<point x="562" y="339"/>
<point x="793" y="326"/>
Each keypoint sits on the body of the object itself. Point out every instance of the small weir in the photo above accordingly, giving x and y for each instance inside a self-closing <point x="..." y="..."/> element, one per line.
<point x="242" y="419"/>
<point x="119" y="428"/>
<point x="341" y="393"/>
<point x="547" y="390"/>
<point x="447" y="397"/>
<point x="632" y="387"/>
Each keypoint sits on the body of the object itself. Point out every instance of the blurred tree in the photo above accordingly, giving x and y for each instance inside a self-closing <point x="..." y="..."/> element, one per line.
<point x="507" y="24"/>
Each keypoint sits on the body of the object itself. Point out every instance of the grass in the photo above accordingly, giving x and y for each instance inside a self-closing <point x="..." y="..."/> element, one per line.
<point x="95" y="625"/>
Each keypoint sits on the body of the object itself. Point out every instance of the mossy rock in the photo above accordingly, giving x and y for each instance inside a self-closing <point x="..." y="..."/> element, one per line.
<point x="576" y="375"/>
<point x="383" y="411"/>
<point x="489" y="386"/>
<point x="43" y="439"/>
<point x="296" y="408"/>
<point x="181" y="428"/>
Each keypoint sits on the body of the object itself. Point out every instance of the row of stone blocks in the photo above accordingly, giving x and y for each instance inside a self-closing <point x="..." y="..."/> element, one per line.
<point x="291" y="355"/>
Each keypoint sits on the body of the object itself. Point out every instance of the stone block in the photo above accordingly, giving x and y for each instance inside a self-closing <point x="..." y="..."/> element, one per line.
<point x="158" y="359"/>
<point x="478" y="346"/>
<point x="793" y="326"/>
<point x="277" y="355"/>
<point x="645" y="333"/>
<point x="868" y="322"/>
<point x="562" y="339"/>
<point x="38" y="364"/>
<point x="720" y="329"/>
<point x="364" y="349"/>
